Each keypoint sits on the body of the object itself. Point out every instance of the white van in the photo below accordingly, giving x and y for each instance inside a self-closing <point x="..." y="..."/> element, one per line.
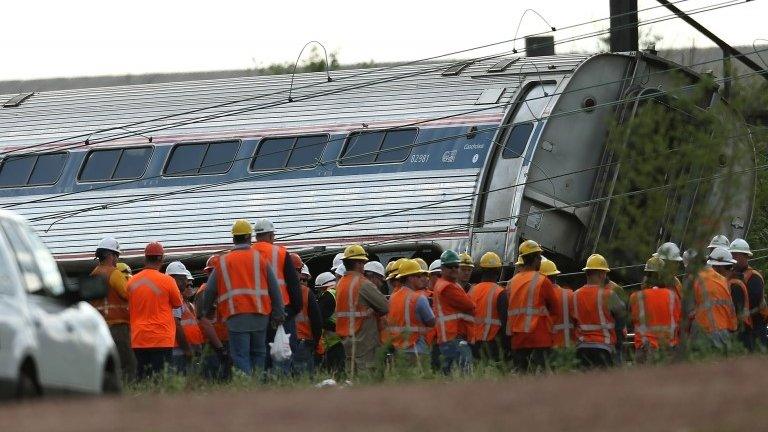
<point x="51" y="340"/>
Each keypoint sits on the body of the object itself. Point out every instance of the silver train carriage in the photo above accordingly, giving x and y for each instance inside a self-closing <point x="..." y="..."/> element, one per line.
<point x="472" y="156"/>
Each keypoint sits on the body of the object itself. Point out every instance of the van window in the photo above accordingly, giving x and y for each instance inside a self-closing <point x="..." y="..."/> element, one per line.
<point x="367" y="147"/>
<point x="8" y="274"/>
<point x="32" y="170"/>
<point x="115" y="164"/>
<point x="202" y="158"/>
<point x="291" y="152"/>
<point x="30" y="274"/>
<point x="517" y="140"/>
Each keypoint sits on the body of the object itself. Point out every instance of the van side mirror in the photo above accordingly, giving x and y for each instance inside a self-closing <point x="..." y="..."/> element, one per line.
<point x="86" y="288"/>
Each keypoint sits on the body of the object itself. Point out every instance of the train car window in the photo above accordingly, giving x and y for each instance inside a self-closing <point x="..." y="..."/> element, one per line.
<point x="517" y="140"/>
<point x="219" y="157"/>
<point x="307" y="151"/>
<point x="203" y="158"/>
<point x="133" y="163"/>
<point x="115" y="164"/>
<point x="378" y="146"/>
<point x="396" y="146"/>
<point x="32" y="170"/>
<point x="272" y="153"/>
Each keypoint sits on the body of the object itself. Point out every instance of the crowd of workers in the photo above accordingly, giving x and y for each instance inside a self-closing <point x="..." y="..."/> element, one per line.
<point x="417" y="313"/>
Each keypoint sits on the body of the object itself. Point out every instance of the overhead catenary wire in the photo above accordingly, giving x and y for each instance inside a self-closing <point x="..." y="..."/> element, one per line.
<point x="248" y="109"/>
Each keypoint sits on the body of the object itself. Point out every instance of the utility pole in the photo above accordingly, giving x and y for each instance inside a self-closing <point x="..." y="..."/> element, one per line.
<point x="623" y="25"/>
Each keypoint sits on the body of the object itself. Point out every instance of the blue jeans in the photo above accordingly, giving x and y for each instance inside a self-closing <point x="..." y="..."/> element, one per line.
<point x="248" y="350"/>
<point x="455" y="351"/>
<point x="304" y="358"/>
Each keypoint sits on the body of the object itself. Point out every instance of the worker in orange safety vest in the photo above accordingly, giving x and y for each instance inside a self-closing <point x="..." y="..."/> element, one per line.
<point x="454" y="314"/>
<point x="358" y="305"/>
<point x="655" y="311"/>
<point x="713" y="310"/>
<point x="309" y="322"/>
<point x="217" y="364"/>
<point x="410" y="316"/>
<point x="599" y="314"/>
<point x="490" y="302"/>
<point x="248" y="297"/>
<point x="114" y="307"/>
<point x="185" y="349"/>
<point x="755" y="284"/>
<point x="532" y="297"/>
<point x="152" y="297"/>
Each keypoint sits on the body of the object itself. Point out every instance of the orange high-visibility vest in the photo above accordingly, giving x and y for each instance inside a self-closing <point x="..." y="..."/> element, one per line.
<point x="350" y="311"/>
<point x="744" y="314"/>
<point x="403" y="325"/>
<point x="151" y="297"/>
<point x="113" y="308"/>
<point x="303" y="329"/>
<point x="449" y="322"/>
<point x="526" y="303"/>
<point x="591" y="310"/>
<point x="485" y="296"/>
<point x="218" y="324"/>
<point x="656" y="317"/>
<point x="563" y="330"/>
<point x="714" y="309"/>
<point x="190" y="325"/>
<point x="274" y="256"/>
<point x="242" y="284"/>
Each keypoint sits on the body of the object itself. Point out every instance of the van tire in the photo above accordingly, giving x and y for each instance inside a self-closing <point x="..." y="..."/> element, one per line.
<point x="111" y="383"/>
<point x="27" y="386"/>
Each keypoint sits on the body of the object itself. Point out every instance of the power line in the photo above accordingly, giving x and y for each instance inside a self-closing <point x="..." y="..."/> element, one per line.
<point x="248" y="109"/>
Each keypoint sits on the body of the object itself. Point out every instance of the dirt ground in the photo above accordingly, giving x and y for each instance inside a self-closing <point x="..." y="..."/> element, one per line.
<point x="728" y="395"/>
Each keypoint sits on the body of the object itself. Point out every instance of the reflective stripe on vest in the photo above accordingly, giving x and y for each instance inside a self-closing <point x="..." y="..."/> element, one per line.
<point x="529" y="311"/>
<point x="409" y="327"/>
<point x="643" y="328"/>
<point x="604" y="325"/>
<point x="138" y="283"/>
<point x="566" y="325"/>
<point x="275" y="260"/>
<point x="489" y="320"/>
<point x="231" y="292"/>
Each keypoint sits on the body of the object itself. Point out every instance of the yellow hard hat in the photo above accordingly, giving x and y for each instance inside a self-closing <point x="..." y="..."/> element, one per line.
<point x="395" y="270"/>
<point x="465" y="260"/>
<point x="529" y="247"/>
<point x="124" y="269"/>
<point x="410" y="267"/>
<point x="596" y="262"/>
<point x="422" y="264"/>
<point x="548" y="268"/>
<point x="241" y="227"/>
<point x="355" y="252"/>
<point x="655" y="264"/>
<point x="490" y="260"/>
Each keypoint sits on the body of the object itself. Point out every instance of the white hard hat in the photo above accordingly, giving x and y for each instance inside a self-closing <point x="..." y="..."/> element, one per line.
<point x="435" y="266"/>
<point x="305" y="270"/>
<point x="669" y="252"/>
<point x="325" y="279"/>
<point x="109" y="243"/>
<point x="719" y="241"/>
<point x="340" y="270"/>
<point x="176" y="268"/>
<point x="740" y="246"/>
<point x="720" y="256"/>
<point x="263" y="226"/>
<point x="688" y="256"/>
<point x="189" y="275"/>
<point x="375" y="267"/>
<point x="337" y="261"/>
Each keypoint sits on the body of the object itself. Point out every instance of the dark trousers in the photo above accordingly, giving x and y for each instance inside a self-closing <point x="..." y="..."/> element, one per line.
<point x="151" y="361"/>
<point x="591" y="358"/>
<point x="492" y="351"/>
<point x="121" y="334"/>
<point x="334" y="359"/>
<point x="530" y="360"/>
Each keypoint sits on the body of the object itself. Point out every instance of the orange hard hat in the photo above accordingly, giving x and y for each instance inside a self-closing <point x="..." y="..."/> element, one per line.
<point x="212" y="260"/>
<point x="154" y="249"/>
<point x="297" y="262"/>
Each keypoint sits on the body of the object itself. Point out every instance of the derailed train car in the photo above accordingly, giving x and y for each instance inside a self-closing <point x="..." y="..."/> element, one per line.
<point x="473" y="156"/>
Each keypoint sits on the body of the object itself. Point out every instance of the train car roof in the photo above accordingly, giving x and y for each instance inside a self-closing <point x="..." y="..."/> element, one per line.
<point x="258" y="106"/>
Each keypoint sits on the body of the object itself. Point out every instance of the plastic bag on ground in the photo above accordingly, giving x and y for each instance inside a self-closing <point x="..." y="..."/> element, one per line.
<point x="280" y="349"/>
